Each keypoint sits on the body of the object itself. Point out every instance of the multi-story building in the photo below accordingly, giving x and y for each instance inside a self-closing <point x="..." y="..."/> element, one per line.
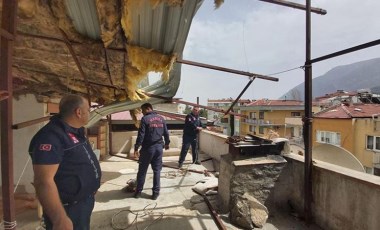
<point x="221" y="120"/>
<point x="265" y="117"/>
<point x="354" y="127"/>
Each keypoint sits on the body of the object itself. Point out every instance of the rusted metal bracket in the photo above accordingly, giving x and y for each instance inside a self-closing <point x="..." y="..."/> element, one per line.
<point x="3" y="95"/>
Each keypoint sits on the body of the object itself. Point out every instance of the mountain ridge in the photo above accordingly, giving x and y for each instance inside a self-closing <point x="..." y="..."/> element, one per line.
<point x="351" y="77"/>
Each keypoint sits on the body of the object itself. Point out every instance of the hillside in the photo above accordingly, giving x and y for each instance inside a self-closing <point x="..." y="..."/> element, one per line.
<point x="359" y="75"/>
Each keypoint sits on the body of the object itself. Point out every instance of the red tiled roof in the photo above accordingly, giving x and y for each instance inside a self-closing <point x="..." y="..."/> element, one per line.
<point x="228" y="100"/>
<point x="336" y="94"/>
<point x="265" y="102"/>
<point x="350" y="111"/>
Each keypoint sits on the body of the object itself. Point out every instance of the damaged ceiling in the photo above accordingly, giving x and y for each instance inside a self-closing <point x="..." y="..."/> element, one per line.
<point x="101" y="49"/>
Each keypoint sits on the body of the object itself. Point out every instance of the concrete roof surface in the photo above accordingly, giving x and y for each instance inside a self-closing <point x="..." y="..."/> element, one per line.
<point x="177" y="207"/>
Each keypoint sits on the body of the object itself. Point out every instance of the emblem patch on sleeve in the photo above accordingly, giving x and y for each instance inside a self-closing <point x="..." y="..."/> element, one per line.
<point x="45" y="147"/>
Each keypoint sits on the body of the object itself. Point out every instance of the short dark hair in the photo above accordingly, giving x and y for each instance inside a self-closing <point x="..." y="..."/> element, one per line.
<point x="69" y="103"/>
<point x="147" y="106"/>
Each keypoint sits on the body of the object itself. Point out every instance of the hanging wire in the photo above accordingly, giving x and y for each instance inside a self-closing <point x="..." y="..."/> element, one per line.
<point x="244" y="48"/>
<point x="288" y="70"/>
<point x="22" y="173"/>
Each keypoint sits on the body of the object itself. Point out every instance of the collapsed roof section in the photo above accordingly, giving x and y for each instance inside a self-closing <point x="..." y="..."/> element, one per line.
<point x="101" y="49"/>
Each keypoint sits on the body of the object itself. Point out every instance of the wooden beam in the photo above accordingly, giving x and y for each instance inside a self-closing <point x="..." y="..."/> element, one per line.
<point x="84" y="76"/>
<point x="5" y="34"/>
<point x="31" y="122"/>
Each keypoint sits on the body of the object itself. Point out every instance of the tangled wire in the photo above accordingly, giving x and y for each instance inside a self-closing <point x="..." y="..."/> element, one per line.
<point x="145" y="212"/>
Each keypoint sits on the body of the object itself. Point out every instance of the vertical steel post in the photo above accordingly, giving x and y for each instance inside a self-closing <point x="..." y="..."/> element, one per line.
<point x="307" y="134"/>
<point x="8" y="23"/>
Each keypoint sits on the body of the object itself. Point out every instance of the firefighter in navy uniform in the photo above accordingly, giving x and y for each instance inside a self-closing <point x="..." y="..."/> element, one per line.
<point x="152" y="129"/>
<point x="66" y="171"/>
<point x="191" y="130"/>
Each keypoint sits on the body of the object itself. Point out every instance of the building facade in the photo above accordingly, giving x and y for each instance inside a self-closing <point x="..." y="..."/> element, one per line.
<point x="273" y="117"/>
<point x="354" y="127"/>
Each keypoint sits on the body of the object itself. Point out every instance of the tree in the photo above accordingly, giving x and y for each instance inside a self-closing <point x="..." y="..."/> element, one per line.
<point x="187" y="109"/>
<point x="203" y="113"/>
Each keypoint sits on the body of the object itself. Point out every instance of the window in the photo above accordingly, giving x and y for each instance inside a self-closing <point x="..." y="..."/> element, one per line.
<point x="328" y="137"/>
<point x="373" y="143"/>
<point x="295" y="114"/>
<point x="224" y="120"/>
<point x="261" y="115"/>
<point x="253" y="115"/>
<point x="261" y="130"/>
<point x="252" y="129"/>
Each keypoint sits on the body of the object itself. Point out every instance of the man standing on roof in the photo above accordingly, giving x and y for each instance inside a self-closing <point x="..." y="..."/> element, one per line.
<point x="66" y="171"/>
<point x="152" y="129"/>
<point x="190" y="136"/>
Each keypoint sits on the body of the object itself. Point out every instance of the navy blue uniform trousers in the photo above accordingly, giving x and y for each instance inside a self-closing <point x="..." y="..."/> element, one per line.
<point x="79" y="213"/>
<point x="150" y="155"/>
<point x="187" y="141"/>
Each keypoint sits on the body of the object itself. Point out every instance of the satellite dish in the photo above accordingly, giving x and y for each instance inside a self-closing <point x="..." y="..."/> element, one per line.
<point x="338" y="156"/>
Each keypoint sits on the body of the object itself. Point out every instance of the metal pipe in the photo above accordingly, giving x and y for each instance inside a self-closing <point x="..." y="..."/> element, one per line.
<point x="227" y="70"/>
<point x="109" y="119"/>
<point x="168" y="99"/>
<point x="214" y="214"/>
<point x="346" y="51"/>
<point x="8" y="24"/>
<point x="296" y="6"/>
<point x="307" y="129"/>
<point x="241" y="94"/>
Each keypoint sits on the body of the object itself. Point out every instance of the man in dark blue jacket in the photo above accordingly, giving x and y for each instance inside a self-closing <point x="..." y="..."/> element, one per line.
<point x="152" y="129"/>
<point x="190" y="133"/>
<point x="66" y="171"/>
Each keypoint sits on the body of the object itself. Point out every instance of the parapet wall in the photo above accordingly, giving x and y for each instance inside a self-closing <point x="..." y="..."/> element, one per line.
<point x="342" y="198"/>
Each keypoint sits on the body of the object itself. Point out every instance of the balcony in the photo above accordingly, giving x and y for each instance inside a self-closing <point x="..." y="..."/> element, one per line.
<point x="293" y="121"/>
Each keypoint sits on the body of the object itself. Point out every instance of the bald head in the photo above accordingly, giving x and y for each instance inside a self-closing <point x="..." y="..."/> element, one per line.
<point x="69" y="104"/>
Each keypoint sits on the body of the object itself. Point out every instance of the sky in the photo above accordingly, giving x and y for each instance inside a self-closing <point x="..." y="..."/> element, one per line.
<point x="264" y="38"/>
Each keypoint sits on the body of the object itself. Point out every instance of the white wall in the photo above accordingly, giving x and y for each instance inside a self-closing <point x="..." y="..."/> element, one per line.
<point x="25" y="109"/>
<point x="213" y="144"/>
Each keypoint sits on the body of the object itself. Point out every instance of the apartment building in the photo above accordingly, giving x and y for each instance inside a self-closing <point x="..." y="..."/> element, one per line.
<point x="264" y="117"/>
<point x="221" y="120"/>
<point x="354" y="127"/>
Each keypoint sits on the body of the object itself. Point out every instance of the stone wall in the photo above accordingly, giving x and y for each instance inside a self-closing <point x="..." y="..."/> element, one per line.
<point x="254" y="176"/>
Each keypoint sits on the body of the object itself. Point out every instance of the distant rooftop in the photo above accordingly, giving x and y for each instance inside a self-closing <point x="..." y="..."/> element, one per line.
<point x="344" y="111"/>
<point x="263" y="102"/>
